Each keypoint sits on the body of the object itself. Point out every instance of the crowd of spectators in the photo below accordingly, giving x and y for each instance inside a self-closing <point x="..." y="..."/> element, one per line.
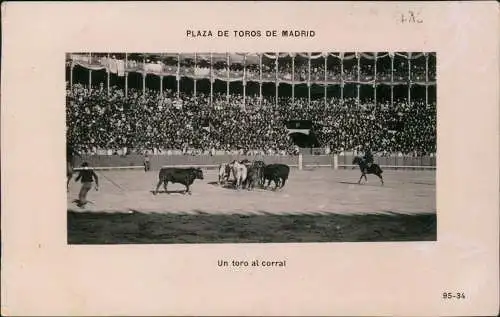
<point x="98" y="119"/>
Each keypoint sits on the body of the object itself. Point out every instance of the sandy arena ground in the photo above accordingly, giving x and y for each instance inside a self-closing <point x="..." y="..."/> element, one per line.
<point x="320" y="190"/>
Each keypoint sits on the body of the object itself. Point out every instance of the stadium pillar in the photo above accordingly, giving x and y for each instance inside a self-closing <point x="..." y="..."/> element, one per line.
<point x="108" y="75"/>
<point x="293" y="78"/>
<point x="161" y="85"/>
<point x="144" y="82"/>
<point x="244" y="81"/>
<point x="126" y="84"/>
<point x="276" y="94"/>
<point x="260" y="93"/>
<point x="409" y="77"/>
<point x="211" y="80"/>
<point x="143" y="75"/>
<point x="244" y="93"/>
<point x="126" y="75"/>
<point x="71" y="74"/>
<point x="375" y="78"/>
<point x="211" y="91"/>
<point x="335" y="161"/>
<point x="178" y="75"/>
<point x="325" y="55"/>
<point x="178" y="78"/>
<point x="342" y="91"/>
<point x="357" y="94"/>
<point x="341" y="55"/>
<point x="309" y="79"/>
<point x="409" y="66"/>
<point x="358" y="58"/>
<point x="194" y="79"/>
<point x="426" y="94"/>
<point x="309" y="94"/>
<point x="409" y="92"/>
<point x="276" y="80"/>
<point x="392" y="94"/>
<point x="227" y="74"/>
<point x="392" y="78"/>
<point x="260" y="79"/>
<point x="426" y="79"/>
<point x="324" y="94"/>
<point x="300" y="162"/>
<point x="90" y="80"/>
<point x="90" y="72"/>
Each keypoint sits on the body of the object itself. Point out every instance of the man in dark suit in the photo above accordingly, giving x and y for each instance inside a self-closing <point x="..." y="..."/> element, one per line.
<point x="87" y="176"/>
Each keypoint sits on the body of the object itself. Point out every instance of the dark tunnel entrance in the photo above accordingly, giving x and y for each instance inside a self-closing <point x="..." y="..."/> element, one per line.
<point x="303" y="140"/>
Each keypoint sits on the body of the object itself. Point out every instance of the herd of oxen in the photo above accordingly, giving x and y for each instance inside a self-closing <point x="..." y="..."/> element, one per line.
<point x="243" y="174"/>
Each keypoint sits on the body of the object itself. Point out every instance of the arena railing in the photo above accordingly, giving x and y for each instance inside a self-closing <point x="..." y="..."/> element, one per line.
<point x="301" y="161"/>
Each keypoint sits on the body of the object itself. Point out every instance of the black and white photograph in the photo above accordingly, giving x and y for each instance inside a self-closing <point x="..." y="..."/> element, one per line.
<point x="269" y="147"/>
<point x="252" y="158"/>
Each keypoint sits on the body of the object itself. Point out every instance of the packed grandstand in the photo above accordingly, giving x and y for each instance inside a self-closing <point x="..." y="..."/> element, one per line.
<point x="208" y="103"/>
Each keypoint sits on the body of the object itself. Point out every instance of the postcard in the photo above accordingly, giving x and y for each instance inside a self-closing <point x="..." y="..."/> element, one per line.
<point x="250" y="158"/>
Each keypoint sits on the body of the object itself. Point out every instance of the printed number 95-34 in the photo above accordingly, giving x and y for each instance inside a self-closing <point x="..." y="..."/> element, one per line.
<point x="453" y="295"/>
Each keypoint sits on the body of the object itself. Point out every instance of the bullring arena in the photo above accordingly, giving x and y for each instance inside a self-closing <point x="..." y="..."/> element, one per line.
<point x="311" y="191"/>
<point x="315" y="190"/>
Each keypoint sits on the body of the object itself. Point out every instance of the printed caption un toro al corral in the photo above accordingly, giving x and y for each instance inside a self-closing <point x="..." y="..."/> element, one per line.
<point x="253" y="263"/>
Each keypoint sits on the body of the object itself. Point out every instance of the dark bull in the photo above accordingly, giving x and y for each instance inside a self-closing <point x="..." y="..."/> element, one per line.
<point x="277" y="173"/>
<point x="184" y="176"/>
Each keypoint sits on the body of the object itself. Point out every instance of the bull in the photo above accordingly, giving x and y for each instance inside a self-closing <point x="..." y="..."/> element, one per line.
<point x="184" y="176"/>
<point x="278" y="173"/>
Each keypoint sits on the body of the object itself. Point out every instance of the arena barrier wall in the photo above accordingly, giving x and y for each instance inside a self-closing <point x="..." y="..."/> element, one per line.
<point x="133" y="161"/>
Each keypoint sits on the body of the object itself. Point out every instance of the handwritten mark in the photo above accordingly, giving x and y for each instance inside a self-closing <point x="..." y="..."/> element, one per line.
<point x="411" y="17"/>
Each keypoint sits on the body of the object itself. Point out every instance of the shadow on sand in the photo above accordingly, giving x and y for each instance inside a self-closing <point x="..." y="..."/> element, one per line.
<point x="180" y="191"/>
<point x="424" y="183"/>
<point x="80" y="204"/>
<point x="350" y="183"/>
<point x="374" y="183"/>
<point x="230" y="185"/>
<point x="263" y="227"/>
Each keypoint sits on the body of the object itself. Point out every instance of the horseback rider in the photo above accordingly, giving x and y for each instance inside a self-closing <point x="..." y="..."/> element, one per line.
<point x="368" y="158"/>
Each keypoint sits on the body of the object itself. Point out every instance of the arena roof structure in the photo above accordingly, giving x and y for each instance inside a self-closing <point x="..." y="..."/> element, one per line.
<point x="283" y="68"/>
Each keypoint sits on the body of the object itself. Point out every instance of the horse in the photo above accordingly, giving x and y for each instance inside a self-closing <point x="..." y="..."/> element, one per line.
<point x="260" y="167"/>
<point x="373" y="169"/>
<point x="240" y="174"/>
<point x="224" y="173"/>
